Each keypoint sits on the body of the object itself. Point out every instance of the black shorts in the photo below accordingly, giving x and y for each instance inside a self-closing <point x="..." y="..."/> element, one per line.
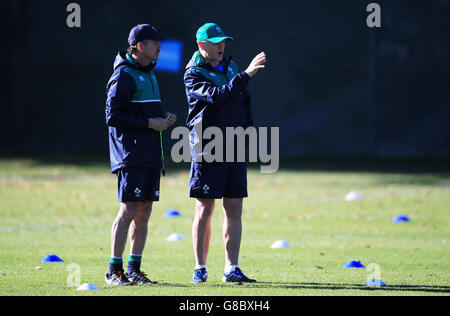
<point x="138" y="184"/>
<point x="217" y="180"/>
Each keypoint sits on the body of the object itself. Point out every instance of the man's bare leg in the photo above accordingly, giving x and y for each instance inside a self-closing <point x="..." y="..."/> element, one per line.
<point x="232" y="229"/>
<point x="139" y="228"/>
<point x="119" y="231"/>
<point x="201" y="229"/>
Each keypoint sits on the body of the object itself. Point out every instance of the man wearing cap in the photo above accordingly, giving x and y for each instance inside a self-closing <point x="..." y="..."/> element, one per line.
<point x="135" y="121"/>
<point x="217" y="96"/>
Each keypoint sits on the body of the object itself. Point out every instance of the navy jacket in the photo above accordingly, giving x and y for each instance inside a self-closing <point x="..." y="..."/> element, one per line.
<point x="132" y="98"/>
<point x="216" y="98"/>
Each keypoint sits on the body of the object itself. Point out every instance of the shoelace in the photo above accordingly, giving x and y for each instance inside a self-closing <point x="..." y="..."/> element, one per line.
<point x="240" y="274"/>
<point x="198" y="274"/>
<point x="142" y="276"/>
<point x="122" y="276"/>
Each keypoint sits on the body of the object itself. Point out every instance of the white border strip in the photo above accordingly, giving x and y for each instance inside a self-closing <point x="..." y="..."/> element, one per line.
<point x="143" y="101"/>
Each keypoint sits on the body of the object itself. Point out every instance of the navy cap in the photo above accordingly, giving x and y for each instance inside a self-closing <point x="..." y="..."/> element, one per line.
<point x="144" y="32"/>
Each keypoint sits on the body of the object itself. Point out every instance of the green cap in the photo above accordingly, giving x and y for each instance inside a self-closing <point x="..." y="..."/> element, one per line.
<point x="211" y="32"/>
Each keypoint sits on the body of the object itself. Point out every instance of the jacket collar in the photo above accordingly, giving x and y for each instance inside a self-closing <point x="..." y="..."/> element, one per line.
<point x="197" y="60"/>
<point x="123" y="59"/>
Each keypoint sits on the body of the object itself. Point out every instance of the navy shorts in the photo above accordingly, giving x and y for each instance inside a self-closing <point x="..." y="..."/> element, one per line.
<point x="138" y="184"/>
<point x="218" y="180"/>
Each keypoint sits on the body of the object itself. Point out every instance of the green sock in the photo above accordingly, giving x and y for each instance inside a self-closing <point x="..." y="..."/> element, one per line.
<point x="115" y="264"/>
<point x="135" y="258"/>
<point x="114" y="260"/>
<point x="134" y="263"/>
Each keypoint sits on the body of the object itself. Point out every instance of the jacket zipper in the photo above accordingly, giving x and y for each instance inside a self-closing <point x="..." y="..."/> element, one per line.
<point x="227" y="64"/>
<point x="151" y="81"/>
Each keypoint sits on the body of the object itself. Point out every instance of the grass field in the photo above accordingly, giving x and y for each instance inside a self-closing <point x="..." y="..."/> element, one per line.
<point x="67" y="209"/>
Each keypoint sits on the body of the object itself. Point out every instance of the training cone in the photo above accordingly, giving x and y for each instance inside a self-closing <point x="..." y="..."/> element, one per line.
<point x="171" y="213"/>
<point x="281" y="244"/>
<point x="175" y="237"/>
<point x="88" y="287"/>
<point x="353" y="196"/>
<point x="401" y="219"/>
<point x="375" y="283"/>
<point x="51" y="258"/>
<point x="352" y="264"/>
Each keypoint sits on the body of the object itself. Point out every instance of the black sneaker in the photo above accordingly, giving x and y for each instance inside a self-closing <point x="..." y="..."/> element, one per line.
<point x="236" y="276"/>
<point x="140" y="278"/>
<point x="117" y="278"/>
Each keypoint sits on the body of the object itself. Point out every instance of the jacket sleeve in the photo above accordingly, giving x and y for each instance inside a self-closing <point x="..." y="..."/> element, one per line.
<point x="120" y="91"/>
<point x="200" y="88"/>
<point x="248" y="108"/>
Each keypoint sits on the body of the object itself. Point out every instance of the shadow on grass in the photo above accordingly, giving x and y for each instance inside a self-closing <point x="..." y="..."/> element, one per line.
<point x="300" y="163"/>
<point x="366" y="164"/>
<point x="58" y="159"/>
<point x="422" y="171"/>
<point x="323" y="286"/>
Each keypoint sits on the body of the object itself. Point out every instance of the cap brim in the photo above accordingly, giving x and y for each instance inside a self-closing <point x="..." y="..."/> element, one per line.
<point x="158" y="38"/>
<point x="219" y="39"/>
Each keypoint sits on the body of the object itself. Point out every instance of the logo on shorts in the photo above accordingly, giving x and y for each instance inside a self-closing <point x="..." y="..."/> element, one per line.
<point x="138" y="192"/>
<point x="157" y="193"/>
<point x="205" y="189"/>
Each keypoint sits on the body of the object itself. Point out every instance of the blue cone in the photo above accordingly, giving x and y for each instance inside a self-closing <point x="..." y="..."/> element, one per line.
<point x="352" y="264"/>
<point x="400" y="219"/>
<point x="51" y="258"/>
<point x="375" y="283"/>
<point x="171" y="213"/>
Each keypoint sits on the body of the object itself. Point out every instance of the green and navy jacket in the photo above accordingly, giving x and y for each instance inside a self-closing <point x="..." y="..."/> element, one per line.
<point x="132" y="98"/>
<point x="216" y="97"/>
